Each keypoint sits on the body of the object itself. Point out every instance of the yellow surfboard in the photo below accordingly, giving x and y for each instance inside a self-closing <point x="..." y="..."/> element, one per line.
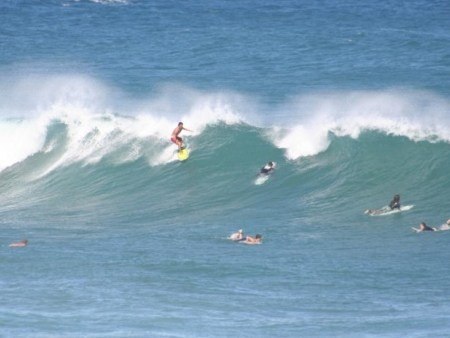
<point x="183" y="154"/>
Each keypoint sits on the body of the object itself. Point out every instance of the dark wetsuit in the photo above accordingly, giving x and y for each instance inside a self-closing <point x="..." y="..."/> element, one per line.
<point x="427" y="228"/>
<point x="395" y="204"/>
<point x="266" y="170"/>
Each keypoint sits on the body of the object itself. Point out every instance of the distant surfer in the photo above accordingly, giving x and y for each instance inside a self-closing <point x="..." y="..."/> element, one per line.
<point x="19" y="244"/>
<point x="253" y="240"/>
<point x="445" y="226"/>
<point x="177" y="139"/>
<point x="237" y="236"/>
<point x="424" y="227"/>
<point x="268" y="168"/>
<point x="395" y="203"/>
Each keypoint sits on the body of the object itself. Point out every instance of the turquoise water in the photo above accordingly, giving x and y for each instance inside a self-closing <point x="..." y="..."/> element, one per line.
<point x="350" y="99"/>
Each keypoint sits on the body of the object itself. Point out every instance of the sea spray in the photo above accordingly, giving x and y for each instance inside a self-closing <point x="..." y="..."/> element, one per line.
<point x="417" y="115"/>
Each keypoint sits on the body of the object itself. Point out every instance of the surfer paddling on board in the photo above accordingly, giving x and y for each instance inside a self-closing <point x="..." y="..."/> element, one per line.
<point x="177" y="139"/>
<point x="253" y="240"/>
<point x="19" y="244"/>
<point x="268" y="168"/>
<point x="424" y="227"/>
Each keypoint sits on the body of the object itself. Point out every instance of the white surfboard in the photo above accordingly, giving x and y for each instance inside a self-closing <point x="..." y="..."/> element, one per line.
<point x="384" y="211"/>
<point x="261" y="179"/>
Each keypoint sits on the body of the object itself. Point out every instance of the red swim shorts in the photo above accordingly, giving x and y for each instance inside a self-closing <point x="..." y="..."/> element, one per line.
<point x="174" y="139"/>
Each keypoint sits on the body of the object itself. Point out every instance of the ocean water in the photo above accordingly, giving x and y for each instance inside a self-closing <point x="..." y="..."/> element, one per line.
<point x="350" y="98"/>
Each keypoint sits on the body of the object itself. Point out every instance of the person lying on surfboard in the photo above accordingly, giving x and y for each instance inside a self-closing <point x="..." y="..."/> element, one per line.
<point x="424" y="227"/>
<point x="177" y="139"/>
<point x="395" y="203"/>
<point x="19" y="244"/>
<point x="268" y="168"/>
<point x="252" y="240"/>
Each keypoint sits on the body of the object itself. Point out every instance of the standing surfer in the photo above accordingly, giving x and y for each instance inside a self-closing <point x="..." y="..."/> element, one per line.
<point x="177" y="139"/>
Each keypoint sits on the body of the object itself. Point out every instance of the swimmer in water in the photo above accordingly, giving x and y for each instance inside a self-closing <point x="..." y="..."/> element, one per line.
<point x="19" y="244"/>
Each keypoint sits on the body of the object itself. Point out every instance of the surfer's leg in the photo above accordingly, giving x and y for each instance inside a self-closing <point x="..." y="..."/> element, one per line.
<point x="180" y="143"/>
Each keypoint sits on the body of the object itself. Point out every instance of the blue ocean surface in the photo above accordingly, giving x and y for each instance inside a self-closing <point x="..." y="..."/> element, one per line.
<point x="350" y="98"/>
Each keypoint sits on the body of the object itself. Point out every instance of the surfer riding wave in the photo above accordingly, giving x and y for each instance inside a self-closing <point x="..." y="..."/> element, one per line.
<point x="177" y="139"/>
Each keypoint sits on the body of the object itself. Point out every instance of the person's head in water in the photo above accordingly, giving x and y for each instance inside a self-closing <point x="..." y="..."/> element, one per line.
<point x="397" y="197"/>
<point x="258" y="236"/>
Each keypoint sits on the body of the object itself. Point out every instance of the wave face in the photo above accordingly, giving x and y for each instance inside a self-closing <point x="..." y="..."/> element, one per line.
<point x="350" y="98"/>
<point x="79" y="149"/>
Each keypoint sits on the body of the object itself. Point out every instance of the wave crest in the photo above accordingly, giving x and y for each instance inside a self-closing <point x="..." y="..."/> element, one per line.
<point x="101" y="121"/>
<point x="417" y="115"/>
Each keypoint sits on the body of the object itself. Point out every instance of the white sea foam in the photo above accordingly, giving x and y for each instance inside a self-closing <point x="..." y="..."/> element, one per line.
<point x="418" y="115"/>
<point x="101" y="121"/>
<point x="19" y="139"/>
